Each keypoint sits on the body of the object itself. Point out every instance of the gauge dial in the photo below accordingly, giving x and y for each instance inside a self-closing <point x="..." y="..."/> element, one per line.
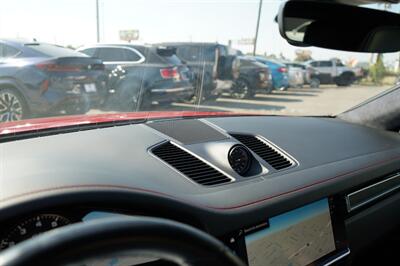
<point x="240" y="159"/>
<point x="31" y="227"/>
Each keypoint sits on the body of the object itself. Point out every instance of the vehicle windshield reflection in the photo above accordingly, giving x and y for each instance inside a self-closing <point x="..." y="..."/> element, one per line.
<point x="101" y="59"/>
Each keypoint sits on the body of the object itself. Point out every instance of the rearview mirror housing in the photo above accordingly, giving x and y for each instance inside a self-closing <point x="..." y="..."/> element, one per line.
<point x="339" y="26"/>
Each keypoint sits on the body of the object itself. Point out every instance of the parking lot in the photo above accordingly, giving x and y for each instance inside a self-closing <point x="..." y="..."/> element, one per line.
<point x="328" y="99"/>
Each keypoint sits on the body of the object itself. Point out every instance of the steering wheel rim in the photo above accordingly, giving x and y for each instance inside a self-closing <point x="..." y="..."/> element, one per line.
<point x="163" y="238"/>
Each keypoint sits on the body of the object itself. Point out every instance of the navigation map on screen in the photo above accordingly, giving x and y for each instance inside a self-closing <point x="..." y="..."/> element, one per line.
<point x="295" y="238"/>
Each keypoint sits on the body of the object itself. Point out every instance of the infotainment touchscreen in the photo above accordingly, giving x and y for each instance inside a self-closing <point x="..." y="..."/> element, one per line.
<point x="295" y="238"/>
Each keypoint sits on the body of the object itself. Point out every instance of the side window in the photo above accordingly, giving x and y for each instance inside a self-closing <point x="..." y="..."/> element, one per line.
<point x="339" y="63"/>
<point x="189" y="53"/>
<point x="8" y="51"/>
<point x="325" y="64"/>
<point x="131" y="56"/>
<point x="210" y="54"/>
<point x="89" y="51"/>
<point x="110" y="54"/>
<point x="314" y="64"/>
<point x="222" y="51"/>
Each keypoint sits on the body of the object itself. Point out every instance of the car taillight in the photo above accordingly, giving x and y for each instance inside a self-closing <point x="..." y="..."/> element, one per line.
<point x="282" y="69"/>
<point x="53" y="67"/>
<point x="170" y="73"/>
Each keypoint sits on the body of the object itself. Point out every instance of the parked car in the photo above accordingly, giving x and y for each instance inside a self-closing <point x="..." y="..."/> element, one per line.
<point x="38" y="79"/>
<point x="253" y="77"/>
<point x="140" y="75"/>
<point x="295" y="74"/>
<point x="335" y="72"/>
<point x="310" y="74"/>
<point x="280" y="79"/>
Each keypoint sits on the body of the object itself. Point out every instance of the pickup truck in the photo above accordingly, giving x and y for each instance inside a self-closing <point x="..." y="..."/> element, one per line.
<point x="335" y="72"/>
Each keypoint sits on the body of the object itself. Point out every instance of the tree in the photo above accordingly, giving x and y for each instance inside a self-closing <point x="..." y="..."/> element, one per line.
<point x="378" y="70"/>
<point x="303" y="55"/>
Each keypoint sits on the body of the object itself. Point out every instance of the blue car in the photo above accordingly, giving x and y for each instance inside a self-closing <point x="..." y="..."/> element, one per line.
<point x="38" y="79"/>
<point x="279" y="71"/>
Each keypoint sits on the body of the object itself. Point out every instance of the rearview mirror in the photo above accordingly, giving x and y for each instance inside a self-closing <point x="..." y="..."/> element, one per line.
<point x="340" y="27"/>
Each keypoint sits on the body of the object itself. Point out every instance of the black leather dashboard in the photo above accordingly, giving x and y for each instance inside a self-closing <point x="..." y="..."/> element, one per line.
<point x="114" y="168"/>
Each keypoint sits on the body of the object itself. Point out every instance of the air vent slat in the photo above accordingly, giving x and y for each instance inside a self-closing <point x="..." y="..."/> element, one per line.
<point x="189" y="165"/>
<point x="200" y="172"/>
<point x="184" y="162"/>
<point x="205" y="175"/>
<point x="208" y="179"/>
<point x="193" y="165"/>
<point x="216" y="182"/>
<point x="281" y="164"/>
<point x="277" y="160"/>
<point x="274" y="158"/>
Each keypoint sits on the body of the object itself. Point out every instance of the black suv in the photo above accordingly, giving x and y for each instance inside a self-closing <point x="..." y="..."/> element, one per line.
<point x="140" y="75"/>
<point x="220" y="69"/>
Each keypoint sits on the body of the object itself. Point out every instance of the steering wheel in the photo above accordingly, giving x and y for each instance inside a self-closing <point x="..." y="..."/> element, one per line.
<point x="140" y="236"/>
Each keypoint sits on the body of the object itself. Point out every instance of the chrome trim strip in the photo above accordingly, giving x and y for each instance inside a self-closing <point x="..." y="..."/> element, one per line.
<point x="347" y="252"/>
<point x="352" y="208"/>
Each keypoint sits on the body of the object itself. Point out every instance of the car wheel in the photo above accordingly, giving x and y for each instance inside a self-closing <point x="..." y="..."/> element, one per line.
<point x="241" y="89"/>
<point x="269" y="89"/>
<point x="209" y="96"/>
<point x="314" y="83"/>
<point x="346" y="79"/>
<point x="12" y="106"/>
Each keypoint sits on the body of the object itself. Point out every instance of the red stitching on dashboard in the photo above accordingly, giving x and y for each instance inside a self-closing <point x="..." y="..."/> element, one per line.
<point x="193" y="203"/>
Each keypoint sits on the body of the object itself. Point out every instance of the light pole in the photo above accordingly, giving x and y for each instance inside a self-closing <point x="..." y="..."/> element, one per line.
<point x="258" y="25"/>
<point x="97" y="21"/>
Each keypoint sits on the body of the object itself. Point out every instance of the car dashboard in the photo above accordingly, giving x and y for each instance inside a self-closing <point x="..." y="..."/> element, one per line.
<point x="276" y="190"/>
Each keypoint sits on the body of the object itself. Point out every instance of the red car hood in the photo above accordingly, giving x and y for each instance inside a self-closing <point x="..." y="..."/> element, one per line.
<point x="65" y="121"/>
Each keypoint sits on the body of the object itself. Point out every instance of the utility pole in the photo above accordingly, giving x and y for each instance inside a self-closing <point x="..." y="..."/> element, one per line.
<point x="97" y="20"/>
<point x="258" y="25"/>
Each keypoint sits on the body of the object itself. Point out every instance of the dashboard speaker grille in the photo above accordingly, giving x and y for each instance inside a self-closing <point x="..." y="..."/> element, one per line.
<point x="265" y="151"/>
<point x="189" y="165"/>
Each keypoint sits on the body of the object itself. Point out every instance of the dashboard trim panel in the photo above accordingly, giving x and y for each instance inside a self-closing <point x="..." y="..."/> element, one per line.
<point x="351" y="207"/>
<point x="336" y="259"/>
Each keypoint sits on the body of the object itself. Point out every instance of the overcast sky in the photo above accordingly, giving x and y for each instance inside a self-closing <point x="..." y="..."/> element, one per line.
<point x="74" y="22"/>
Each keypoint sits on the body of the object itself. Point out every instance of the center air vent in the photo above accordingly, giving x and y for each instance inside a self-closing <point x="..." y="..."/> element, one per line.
<point x="189" y="165"/>
<point x="272" y="156"/>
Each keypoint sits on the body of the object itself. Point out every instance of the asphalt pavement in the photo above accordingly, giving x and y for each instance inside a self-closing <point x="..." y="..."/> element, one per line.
<point x="326" y="100"/>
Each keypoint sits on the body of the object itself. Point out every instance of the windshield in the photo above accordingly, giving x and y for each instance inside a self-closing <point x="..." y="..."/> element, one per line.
<point x="68" y="57"/>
